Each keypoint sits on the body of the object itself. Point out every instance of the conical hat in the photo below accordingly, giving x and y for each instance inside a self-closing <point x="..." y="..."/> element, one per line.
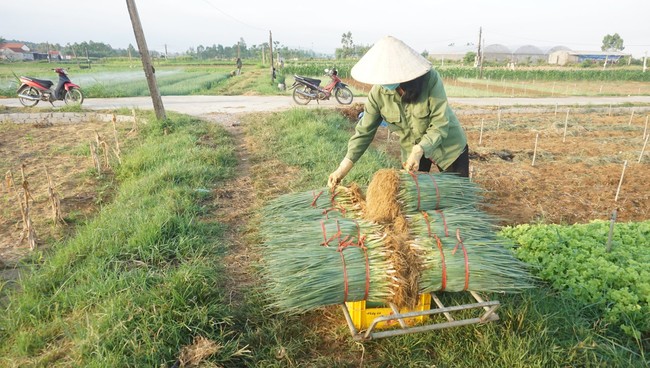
<point x="390" y="61"/>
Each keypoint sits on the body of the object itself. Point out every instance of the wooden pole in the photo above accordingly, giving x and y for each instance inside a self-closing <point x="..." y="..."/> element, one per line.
<point x="566" y="123"/>
<point x="535" y="150"/>
<point x="631" y="117"/>
<point x="618" y="190"/>
<point x="646" y="126"/>
<point x="556" y="108"/>
<point x="480" y="137"/>
<point x="609" y="112"/>
<point x="149" y="70"/>
<point x="643" y="149"/>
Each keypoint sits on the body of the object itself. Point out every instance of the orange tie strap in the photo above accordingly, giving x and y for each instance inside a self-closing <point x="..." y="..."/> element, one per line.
<point x="460" y="242"/>
<point x="425" y="215"/>
<point x="345" y="278"/>
<point x="417" y="186"/>
<point x="316" y="196"/>
<point x="443" y="284"/>
<point x="338" y="234"/>
<point x="435" y="184"/>
<point x="444" y="221"/>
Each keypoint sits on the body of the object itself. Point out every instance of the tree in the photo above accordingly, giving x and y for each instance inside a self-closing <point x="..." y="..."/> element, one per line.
<point x="346" y="40"/>
<point x="469" y="57"/>
<point x="612" y="43"/>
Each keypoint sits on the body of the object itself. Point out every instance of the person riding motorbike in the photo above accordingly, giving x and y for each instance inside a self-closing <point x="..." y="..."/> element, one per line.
<point x="409" y="96"/>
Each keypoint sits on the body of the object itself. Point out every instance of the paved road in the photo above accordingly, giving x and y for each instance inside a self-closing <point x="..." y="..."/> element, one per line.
<point x="201" y="105"/>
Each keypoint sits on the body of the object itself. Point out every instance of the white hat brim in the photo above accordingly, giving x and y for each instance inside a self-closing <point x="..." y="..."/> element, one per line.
<point x="390" y="61"/>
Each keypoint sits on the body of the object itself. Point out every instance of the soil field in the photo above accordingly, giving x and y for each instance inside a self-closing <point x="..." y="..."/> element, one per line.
<point x="574" y="178"/>
<point x="62" y="149"/>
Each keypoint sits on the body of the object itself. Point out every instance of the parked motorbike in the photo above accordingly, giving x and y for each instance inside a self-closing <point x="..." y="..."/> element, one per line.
<point x="307" y="89"/>
<point x="33" y="90"/>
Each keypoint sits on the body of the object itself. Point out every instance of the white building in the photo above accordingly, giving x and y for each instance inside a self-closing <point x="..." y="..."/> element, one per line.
<point x="15" y="51"/>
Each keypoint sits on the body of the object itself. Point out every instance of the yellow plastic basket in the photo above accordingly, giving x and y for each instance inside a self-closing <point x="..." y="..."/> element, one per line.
<point x="363" y="315"/>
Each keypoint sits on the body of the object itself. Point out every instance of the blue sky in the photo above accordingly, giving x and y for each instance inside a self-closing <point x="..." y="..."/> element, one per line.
<point x="423" y="24"/>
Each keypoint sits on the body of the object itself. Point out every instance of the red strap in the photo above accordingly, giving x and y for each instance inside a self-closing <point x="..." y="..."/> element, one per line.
<point x="444" y="221"/>
<point x="460" y="242"/>
<point x="437" y="191"/>
<point x="425" y="215"/>
<point x="316" y="196"/>
<point x="415" y="179"/>
<point x="345" y="278"/>
<point x="326" y="243"/>
<point x="443" y="285"/>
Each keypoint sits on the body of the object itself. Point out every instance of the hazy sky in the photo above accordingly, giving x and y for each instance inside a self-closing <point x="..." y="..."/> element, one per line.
<point x="423" y="24"/>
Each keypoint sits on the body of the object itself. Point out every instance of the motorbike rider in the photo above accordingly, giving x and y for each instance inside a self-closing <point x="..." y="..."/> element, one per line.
<point x="408" y="94"/>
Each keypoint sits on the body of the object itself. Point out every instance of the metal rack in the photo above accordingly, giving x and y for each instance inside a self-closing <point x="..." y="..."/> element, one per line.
<point x="488" y="315"/>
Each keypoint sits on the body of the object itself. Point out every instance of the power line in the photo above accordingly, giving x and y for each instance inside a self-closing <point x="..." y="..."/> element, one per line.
<point x="233" y="18"/>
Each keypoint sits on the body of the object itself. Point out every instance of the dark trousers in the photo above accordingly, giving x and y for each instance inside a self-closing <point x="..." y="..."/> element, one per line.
<point x="460" y="166"/>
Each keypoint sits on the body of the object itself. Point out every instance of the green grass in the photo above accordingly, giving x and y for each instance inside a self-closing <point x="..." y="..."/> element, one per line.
<point x="143" y="277"/>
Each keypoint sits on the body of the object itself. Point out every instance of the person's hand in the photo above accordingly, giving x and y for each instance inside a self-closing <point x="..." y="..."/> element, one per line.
<point x="340" y="173"/>
<point x="413" y="162"/>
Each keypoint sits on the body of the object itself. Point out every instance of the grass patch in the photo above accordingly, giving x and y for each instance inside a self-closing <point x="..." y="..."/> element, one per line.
<point x="142" y="278"/>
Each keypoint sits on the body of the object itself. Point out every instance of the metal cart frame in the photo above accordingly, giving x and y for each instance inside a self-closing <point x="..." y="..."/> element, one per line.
<point x="488" y="315"/>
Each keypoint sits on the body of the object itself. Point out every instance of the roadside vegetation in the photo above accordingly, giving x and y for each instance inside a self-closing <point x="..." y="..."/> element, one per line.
<point x="123" y="77"/>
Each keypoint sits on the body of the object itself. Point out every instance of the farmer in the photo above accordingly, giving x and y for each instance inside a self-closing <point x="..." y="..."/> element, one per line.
<point x="408" y="94"/>
<point x="239" y="65"/>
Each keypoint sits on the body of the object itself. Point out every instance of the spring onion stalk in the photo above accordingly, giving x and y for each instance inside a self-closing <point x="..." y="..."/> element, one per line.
<point x="304" y="278"/>
<point x="434" y="191"/>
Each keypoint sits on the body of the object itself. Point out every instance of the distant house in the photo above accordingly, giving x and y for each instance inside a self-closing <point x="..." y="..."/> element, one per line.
<point x="564" y="57"/>
<point x="15" y="51"/>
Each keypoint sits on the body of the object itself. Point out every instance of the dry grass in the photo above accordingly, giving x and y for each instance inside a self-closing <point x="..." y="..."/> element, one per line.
<point x="59" y="172"/>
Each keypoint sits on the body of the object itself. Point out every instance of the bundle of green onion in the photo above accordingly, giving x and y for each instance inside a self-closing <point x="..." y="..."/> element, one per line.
<point x="324" y="232"/>
<point x="464" y="254"/>
<point x="434" y="191"/>
<point x="313" y="205"/>
<point x="303" y="276"/>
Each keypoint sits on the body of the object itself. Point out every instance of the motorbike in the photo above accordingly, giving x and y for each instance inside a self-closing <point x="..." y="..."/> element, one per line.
<point x="32" y="90"/>
<point x="307" y="89"/>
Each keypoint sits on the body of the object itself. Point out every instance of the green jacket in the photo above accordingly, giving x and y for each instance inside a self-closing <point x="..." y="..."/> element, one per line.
<point x="429" y="122"/>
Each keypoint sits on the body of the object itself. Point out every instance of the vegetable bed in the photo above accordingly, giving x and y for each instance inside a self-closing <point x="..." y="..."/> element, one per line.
<point x="574" y="259"/>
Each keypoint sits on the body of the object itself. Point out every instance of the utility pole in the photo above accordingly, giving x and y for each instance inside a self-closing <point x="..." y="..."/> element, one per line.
<point x="165" y="51"/>
<point x="238" y="51"/>
<point x="479" y="54"/>
<point x="146" y="61"/>
<point x="271" y="56"/>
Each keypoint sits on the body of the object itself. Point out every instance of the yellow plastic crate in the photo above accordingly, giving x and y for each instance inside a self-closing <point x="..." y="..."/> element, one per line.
<point x="363" y="315"/>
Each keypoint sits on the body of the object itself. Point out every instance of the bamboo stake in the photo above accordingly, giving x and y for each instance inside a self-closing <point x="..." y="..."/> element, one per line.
<point x="117" y="151"/>
<point x="646" y="126"/>
<point x="566" y="123"/>
<point x="55" y="202"/>
<point x="556" y="108"/>
<point x="643" y="149"/>
<point x="618" y="190"/>
<point x="609" y="113"/>
<point x="107" y="163"/>
<point x="535" y="150"/>
<point x="29" y="229"/>
<point x="631" y="117"/>
<point x="93" y="153"/>
<point x="480" y="137"/>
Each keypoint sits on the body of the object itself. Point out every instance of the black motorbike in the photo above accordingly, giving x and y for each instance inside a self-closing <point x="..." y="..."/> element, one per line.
<point x="307" y="89"/>
<point x="32" y="90"/>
